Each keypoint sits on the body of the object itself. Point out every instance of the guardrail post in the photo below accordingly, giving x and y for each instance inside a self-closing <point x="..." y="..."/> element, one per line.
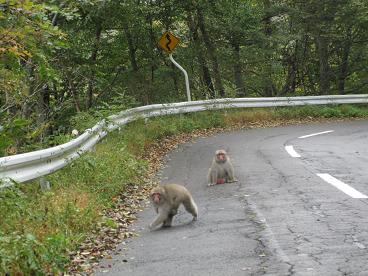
<point x="44" y="184"/>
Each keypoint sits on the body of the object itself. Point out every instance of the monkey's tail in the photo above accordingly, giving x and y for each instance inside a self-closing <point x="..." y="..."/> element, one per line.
<point x="192" y="208"/>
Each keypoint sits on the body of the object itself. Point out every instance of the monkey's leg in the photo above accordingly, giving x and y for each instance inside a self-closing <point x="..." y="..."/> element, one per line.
<point x="170" y="217"/>
<point x="174" y="210"/>
<point x="168" y="221"/>
<point x="191" y="207"/>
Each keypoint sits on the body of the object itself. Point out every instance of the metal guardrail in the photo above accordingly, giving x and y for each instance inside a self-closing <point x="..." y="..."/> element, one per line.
<point x="32" y="165"/>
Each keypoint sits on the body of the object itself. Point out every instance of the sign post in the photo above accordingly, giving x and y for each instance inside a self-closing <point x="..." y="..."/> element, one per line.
<point x="168" y="42"/>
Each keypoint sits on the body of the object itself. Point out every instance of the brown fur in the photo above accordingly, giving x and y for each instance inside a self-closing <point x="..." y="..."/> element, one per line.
<point x="166" y="200"/>
<point x="221" y="170"/>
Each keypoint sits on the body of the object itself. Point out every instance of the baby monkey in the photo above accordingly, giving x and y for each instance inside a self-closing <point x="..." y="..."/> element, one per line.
<point x="166" y="200"/>
<point x="221" y="170"/>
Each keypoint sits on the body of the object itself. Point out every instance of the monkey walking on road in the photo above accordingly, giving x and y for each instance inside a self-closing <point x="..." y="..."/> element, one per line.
<point x="166" y="200"/>
<point x="221" y="170"/>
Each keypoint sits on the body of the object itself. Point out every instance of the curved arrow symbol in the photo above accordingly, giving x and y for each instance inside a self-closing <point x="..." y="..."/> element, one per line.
<point x="169" y="41"/>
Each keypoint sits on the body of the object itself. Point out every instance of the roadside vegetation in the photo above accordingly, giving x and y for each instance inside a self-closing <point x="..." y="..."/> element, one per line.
<point x="65" y="65"/>
<point x="42" y="232"/>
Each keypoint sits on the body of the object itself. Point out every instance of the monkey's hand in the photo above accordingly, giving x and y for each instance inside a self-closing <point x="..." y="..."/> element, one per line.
<point x="153" y="225"/>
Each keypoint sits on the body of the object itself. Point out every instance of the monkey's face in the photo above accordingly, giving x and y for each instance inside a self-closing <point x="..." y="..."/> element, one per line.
<point x="221" y="156"/>
<point x="156" y="197"/>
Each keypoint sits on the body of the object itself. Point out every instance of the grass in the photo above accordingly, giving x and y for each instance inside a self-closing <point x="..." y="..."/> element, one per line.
<point x="39" y="229"/>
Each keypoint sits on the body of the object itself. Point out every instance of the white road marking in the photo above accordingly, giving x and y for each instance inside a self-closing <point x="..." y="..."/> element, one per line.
<point x="314" y="134"/>
<point x="341" y="186"/>
<point x="291" y="151"/>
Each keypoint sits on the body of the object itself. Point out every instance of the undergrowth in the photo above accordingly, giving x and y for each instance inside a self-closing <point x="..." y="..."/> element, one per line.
<point x="39" y="229"/>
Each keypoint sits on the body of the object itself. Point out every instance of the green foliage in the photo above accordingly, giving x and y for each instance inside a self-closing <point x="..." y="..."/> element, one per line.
<point x="327" y="111"/>
<point x="332" y="111"/>
<point x="346" y="110"/>
<point x="24" y="253"/>
<point x="67" y="213"/>
<point x="139" y="134"/>
<point x="354" y="110"/>
<point x="13" y="133"/>
<point x="110" y="223"/>
<point x="82" y="121"/>
<point x="103" y="172"/>
<point x="117" y="103"/>
<point x="21" y="250"/>
<point x="299" y="112"/>
<point x="37" y="229"/>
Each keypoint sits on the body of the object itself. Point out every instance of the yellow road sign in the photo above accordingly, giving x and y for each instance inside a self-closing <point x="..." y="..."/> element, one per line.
<point x="168" y="42"/>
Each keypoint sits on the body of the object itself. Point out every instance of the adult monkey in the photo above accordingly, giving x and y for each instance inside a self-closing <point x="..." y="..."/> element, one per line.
<point x="166" y="200"/>
<point x="221" y="170"/>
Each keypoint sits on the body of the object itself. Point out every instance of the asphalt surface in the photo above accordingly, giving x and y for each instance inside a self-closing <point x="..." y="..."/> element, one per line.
<point x="280" y="218"/>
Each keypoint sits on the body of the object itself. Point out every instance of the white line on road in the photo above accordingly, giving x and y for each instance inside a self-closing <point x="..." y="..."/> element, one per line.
<point x="341" y="186"/>
<point x="314" y="134"/>
<point x="291" y="151"/>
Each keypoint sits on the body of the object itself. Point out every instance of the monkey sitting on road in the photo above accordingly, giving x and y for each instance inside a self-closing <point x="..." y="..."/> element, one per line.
<point x="166" y="200"/>
<point x="221" y="170"/>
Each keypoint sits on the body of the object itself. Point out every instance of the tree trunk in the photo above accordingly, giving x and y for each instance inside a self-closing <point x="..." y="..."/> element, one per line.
<point x="132" y="50"/>
<point x="31" y="88"/>
<point x="324" y="70"/>
<point x="153" y="66"/>
<point x="290" y="83"/>
<point x="90" y="88"/>
<point x="306" y="80"/>
<point x="238" y="77"/>
<point x="43" y="104"/>
<point x="9" y="105"/>
<point x="269" y="88"/>
<point x="206" y="76"/>
<point x="74" y="93"/>
<point x="343" y="72"/>
<point x="211" y="53"/>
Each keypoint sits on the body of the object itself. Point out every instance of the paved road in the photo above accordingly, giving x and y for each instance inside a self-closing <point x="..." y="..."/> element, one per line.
<point x="281" y="218"/>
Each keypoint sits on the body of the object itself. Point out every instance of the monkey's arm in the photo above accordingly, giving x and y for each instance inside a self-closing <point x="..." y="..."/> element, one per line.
<point x="230" y="173"/>
<point x="212" y="175"/>
<point x="161" y="217"/>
